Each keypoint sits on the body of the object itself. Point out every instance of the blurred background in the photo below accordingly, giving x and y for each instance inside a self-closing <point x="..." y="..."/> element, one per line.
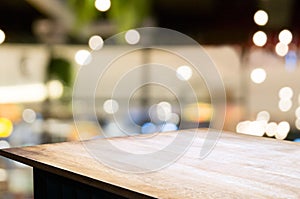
<point x="43" y="44"/>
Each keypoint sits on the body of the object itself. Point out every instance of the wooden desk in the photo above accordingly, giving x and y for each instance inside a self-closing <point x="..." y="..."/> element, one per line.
<point x="239" y="167"/>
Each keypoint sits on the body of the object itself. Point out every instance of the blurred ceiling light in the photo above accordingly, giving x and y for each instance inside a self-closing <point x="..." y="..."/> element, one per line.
<point x="184" y="73"/>
<point x="261" y="18"/>
<point x="2" y="36"/>
<point x="83" y="57"/>
<point x="23" y="93"/>
<point x="286" y="93"/>
<point x="29" y="115"/>
<point x="111" y="106"/>
<point x="102" y="5"/>
<point x="285" y="105"/>
<point x="285" y="36"/>
<point x="95" y="42"/>
<point x="132" y="37"/>
<point x="259" y="38"/>
<point x="258" y="75"/>
<point x="283" y="129"/>
<point x="263" y="116"/>
<point x="6" y="127"/>
<point x="271" y="129"/>
<point x="55" y="89"/>
<point x="281" y="49"/>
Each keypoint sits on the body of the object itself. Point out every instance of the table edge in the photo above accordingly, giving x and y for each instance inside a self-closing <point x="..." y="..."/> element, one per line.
<point x="74" y="176"/>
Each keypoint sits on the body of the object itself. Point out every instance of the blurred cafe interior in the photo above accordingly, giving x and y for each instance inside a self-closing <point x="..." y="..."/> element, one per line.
<point x="44" y="44"/>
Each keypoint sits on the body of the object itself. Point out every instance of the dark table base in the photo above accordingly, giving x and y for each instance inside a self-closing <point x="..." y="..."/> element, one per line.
<point x="51" y="186"/>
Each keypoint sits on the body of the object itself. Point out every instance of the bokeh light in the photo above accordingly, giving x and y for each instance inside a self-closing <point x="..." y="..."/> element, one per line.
<point x="23" y="93"/>
<point x="96" y="42"/>
<point x="261" y="18"/>
<point x="291" y="60"/>
<point x="259" y="38"/>
<point x="148" y="128"/>
<point x="168" y="127"/>
<point x="283" y="129"/>
<point x="263" y="116"/>
<point x="111" y="129"/>
<point x="286" y="93"/>
<point x="6" y="127"/>
<point x="55" y="89"/>
<point x="285" y="105"/>
<point x="297" y="140"/>
<point x="281" y="49"/>
<point x="258" y="75"/>
<point x="166" y="106"/>
<point x="297" y="123"/>
<point x="197" y="112"/>
<point x="132" y="37"/>
<point x="164" y="111"/>
<point x="174" y="118"/>
<point x="4" y="144"/>
<point x="11" y="111"/>
<point x="184" y="73"/>
<point x="83" y="57"/>
<point x="2" y="36"/>
<point x="29" y="115"/>
<point x="256" y="128"/>
<point x="271" y="129"/>
<point x="242" y="126"/>
<point x="111" y="106"/>
<point x="102" y="5"/>
<point x="285" y="36"/>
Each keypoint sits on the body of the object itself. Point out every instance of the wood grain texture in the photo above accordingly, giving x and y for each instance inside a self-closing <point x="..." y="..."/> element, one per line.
<point x="239" y="167"/>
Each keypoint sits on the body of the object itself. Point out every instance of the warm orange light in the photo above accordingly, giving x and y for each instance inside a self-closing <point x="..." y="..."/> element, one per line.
<point x="6" y="127"/>
<point x="198" y="112"/>
<point x="11" y="111"/>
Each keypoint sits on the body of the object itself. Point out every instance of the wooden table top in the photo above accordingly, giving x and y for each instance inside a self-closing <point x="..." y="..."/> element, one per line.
<point x="239" y="167"/>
